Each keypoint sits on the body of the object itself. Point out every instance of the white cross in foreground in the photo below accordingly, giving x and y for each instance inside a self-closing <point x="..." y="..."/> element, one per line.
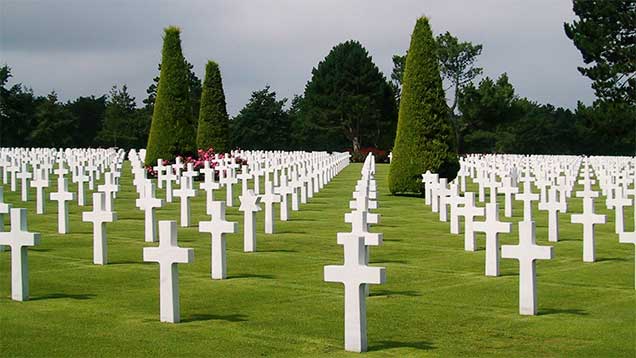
<point x="218" y="227"/>
<point x="99" y="217"/>
<point x="19" y="239"/>
<point x="527" y="251"/>
<point x="168" y="255"/>
<point x="354" y="274"/>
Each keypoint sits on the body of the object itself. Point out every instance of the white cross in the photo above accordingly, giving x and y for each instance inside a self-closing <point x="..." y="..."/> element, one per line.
<point x="109" y="188"/>
<point x="492" y="227"/>
<point x="284" y="190"/>
<point x="354" y="274"/>
<point x="4" y="210"/>
<point x="19" y="238"/>
<point x="442" y="194"/>
<point x="249" y="206"/>
<point x="39" y="183"/>
<point x="218" y="227"/>
<point x="428" y="178"/>
<point x="178" y="166"/>
<point x="80" y="179"/>
<point x="229" y="180"/>
<point x="629" y="238"/>
<point x="619" y="202"/>
<point x="269" y="198"/>
<point x="13" y="170"/>
<point x="184" y="193"/>
<point x="148" y="203"/>
<point x="492" y="186"/>
<point x="469" y="211"/>
<point x="527" y="251"/>
<point x="190" y="173"/>
<point x="553" y="206"/>
<point x="588" y="218"/>
<point x="99" y="217"/>
<point x="527" y="197"/>
<point x="168" y="255"/>
<point x="169" y="177"/>
<point x="24" y="175"/>
<point x="62" y="196"/>
<point x="244" y="177"/>
<point x="454" y="200"/>
<point x="160" y="170"/>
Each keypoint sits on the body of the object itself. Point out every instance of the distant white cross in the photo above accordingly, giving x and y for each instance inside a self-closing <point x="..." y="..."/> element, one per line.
<point x="148" y="203"/>
<point x="184" y="193"/>
<point x="527" y="197"/>
<point x="39" y="183"/>
<point x="469" y="211"/>
<point x="249" y="206"/>
<point x="109" y="188"/>
<point x="99" y="217"/>
<point x="24" y="175"/>
<point x="588" y="218"/>
<point x="553" y="206"/>
<point x="269" y="198"/>
<point x="492" y="227"/>
<point x="62" y="196"/>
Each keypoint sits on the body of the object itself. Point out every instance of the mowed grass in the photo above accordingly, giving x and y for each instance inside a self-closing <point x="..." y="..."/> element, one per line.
<point x="436" y="302"/>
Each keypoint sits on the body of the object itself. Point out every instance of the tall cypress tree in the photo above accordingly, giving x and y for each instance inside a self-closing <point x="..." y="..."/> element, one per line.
<point x="173" y="129"/>
<point x="425" y="138"/>
<point x="214" y="123"/>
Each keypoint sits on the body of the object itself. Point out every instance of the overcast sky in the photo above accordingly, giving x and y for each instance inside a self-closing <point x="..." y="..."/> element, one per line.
<point x="84" y="47"/>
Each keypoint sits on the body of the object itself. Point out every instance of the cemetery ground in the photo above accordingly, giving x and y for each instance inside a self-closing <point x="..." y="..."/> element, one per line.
<point x="436" y="300"/>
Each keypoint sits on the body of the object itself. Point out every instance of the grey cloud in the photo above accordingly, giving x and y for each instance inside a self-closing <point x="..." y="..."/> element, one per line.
<point x="92" y="45"/>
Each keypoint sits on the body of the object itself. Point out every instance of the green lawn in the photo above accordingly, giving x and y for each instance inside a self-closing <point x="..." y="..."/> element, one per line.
<point x="436" y="301"/>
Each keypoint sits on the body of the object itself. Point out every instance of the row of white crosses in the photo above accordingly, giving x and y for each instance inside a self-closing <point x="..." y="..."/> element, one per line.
<point x="168" y="254"/>
<point x="43" y="162"/>
<point x="555" y="177"/>
<point x="355" y="273"/>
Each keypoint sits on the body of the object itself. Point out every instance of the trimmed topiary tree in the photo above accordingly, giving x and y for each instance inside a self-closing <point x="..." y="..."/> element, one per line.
<point x="425" y="138"/>
<point x="173" y="130"/>
<point x="213" y="130"/>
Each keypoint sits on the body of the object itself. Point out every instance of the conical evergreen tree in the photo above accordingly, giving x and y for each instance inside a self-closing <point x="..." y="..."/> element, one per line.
<point x="425" y="138"/>
<point x="173" y="129"/>
<point x="214" y="124"/>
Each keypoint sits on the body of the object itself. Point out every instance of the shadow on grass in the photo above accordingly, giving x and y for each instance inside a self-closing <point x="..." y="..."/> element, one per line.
<point x="574" y="311"/>
<point x="247" y="275"/>
<point x="278" y="250"/>
<point x="52" y="296"/>
<point x="611" y="259"/>
<point x="125" y="262"/>
<point x="212" y="317"/>
<point x="301" y="232"/>
<point x="382" y="345"/>
<point x="408" y="293"/>
<point x="380" y="261"/>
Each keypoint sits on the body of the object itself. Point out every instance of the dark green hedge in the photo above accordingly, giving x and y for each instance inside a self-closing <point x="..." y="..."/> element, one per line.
<point x="173" y="130"/>
<point x="213" y="130"/>
<point x="425" y="138"/>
